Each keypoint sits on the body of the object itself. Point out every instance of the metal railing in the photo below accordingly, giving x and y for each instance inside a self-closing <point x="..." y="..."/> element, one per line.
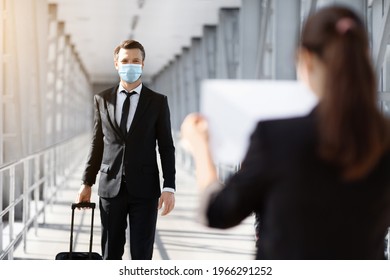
<point x="30" y="184"/>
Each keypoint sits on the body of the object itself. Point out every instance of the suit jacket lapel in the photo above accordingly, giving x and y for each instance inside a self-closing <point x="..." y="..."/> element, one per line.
<point x="143" y="102"/>
<point x="111" y="104"/>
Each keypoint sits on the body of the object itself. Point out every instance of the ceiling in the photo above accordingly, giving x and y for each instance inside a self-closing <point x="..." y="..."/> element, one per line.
<point x="164" y="27"/>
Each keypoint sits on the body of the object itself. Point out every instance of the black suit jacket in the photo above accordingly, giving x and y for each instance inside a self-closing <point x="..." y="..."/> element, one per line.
<point x="111" y="152"/>
<point x="306" y="210"/>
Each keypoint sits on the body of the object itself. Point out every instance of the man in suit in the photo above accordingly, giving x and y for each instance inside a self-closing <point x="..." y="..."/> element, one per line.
<point x="129" y="120"/>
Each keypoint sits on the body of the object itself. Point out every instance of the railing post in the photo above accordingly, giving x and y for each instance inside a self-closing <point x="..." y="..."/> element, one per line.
<point x="11" y="217"/>
<point x="36" y="192"/>
<point x="52" y="171"/>
<point x="26" y="208"/>
<point x="1" y="207"/>
<point x="46" y="175"/>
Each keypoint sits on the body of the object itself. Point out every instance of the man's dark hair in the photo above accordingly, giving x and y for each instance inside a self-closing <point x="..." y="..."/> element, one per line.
<point x="127" y="45"/>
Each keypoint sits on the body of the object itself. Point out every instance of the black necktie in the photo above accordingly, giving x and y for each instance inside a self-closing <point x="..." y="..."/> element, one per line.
<point x="125" y="111"/>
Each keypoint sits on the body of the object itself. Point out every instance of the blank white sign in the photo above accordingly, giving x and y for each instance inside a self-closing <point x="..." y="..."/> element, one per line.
<point x="233" y="108"/>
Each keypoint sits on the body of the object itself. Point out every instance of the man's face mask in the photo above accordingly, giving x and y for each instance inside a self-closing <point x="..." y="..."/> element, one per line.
<point x="130" y="72"/>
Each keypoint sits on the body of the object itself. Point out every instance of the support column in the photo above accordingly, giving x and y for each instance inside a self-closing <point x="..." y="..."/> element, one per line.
<point x="287" y="21"/>
<point x="196" y="61"/>
<point x="209" y="46"/>
<point x="228" y="43"/>
<point x="175" y="101"/>
<point x="58" y="109"/>
<point x="188" y="74"/>
<point x="384" y="96"/>
<point x="250" y="22"/>
<point x="380" y="32"/>
<point x="180" y="88"/>
<point x="49" y="100"/>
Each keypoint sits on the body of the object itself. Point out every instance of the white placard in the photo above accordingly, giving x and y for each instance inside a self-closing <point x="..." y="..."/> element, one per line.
<point x="233" y="107"/>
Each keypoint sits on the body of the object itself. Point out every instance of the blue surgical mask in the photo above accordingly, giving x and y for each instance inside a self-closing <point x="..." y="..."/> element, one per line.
<point x="130" y="72"/>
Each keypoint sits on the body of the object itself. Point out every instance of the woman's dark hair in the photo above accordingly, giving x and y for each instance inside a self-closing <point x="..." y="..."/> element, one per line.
<point x="127" y="45"/>
<point x="352" y="131"/>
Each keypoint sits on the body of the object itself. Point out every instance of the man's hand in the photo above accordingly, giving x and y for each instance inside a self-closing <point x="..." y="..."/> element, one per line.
<point x="84" y="194"/>
<point x="168" y="200"/>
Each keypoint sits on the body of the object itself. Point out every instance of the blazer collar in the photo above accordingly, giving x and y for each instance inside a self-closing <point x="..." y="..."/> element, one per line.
<point x="143" y="102"/>
<point x="111" y="105"/>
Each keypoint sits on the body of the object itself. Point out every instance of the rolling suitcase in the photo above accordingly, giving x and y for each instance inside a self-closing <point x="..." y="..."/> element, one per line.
<point x="80" y="255"/>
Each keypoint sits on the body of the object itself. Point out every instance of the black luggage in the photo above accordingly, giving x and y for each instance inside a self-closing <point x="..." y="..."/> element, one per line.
<point x="80" y="255"/>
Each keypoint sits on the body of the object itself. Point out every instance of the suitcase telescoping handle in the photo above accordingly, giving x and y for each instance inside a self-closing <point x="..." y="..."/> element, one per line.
<point x="82" y="205"/>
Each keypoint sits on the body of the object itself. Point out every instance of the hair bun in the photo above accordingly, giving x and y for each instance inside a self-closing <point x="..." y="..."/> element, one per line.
<point x="344" y="25"/>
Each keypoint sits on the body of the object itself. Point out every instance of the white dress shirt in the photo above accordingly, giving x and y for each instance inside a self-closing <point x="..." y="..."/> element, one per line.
<point x="120" y="99"/>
